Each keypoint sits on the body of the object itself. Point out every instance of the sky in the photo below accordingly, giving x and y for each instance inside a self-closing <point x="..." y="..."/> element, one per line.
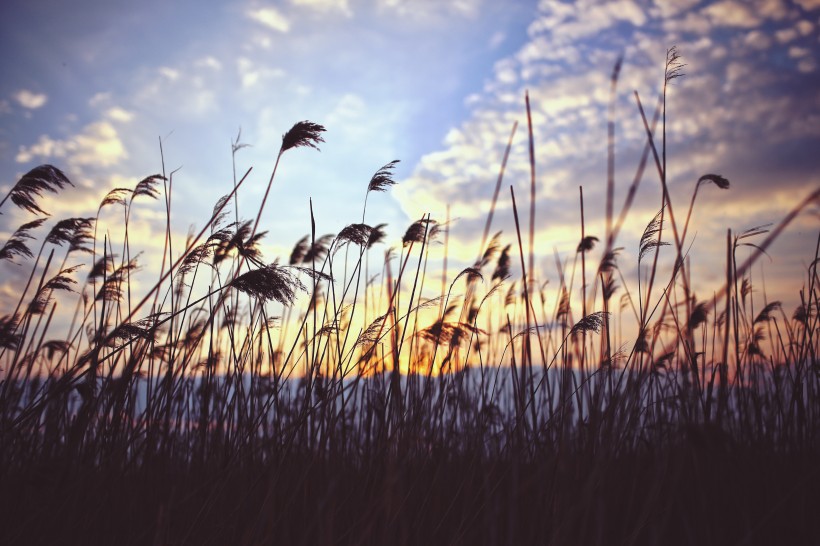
<point x="94" y="87"/>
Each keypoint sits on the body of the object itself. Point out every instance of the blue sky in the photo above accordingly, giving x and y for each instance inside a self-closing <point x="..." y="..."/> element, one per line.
<point x="92" y="86"/>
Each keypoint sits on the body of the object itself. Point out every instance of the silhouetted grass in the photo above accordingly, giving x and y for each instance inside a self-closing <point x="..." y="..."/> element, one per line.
<point x="238" y="401"/>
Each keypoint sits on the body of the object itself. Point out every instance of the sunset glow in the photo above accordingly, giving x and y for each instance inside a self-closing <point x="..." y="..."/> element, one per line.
<point x="100" y="86"/>
<point x="410" y="272"/>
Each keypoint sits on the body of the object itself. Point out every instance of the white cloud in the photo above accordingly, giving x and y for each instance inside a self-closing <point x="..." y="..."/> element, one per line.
<point x="193" y="91"/>
<point x="801" y="28"/>
<point x="568" y="22"/>
<point x="326" y="6"/>
<point x="354" y="119"/>
<point x="737" y="72"/>
<point x="758" y="40"/>
<point x="170" y="73"/>
<point x="119" y="114"/>
<point x="627" y="10"/>
<point x="786" y="35"/>
<point x="773" y="9"/>
<point x="716" y="114"/>
<point x="98" y="144"/>
<point x="252" y="74"/>
<point x="431" y="9"/>
<point x="798" y="52"/>
<point x="497" y="39"/>
<point x="349" y="108"/>
<point x="45" y="147"/>
<point x="693" y="22"/>
<point x="209" y="62"/>
<point x="541" y="49"/>
<point x="99" y="99"/>
<point x="733" y="14"/>
<point x="29" y="99"/>
<point x="809" y="5"/>
<point x="719" y="52"/>
<point x="670" y="8"/>
<point x="553" y="12"/>
<point x="804" y="27"/>
<point x="248" y="75"/>
<point x="807" y="66"/>
<point x="270" y="18"/>
<point x="505" y="72"/>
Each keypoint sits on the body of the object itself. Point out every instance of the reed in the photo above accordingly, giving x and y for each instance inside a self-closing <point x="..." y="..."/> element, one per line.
<point x="235" y="399"/>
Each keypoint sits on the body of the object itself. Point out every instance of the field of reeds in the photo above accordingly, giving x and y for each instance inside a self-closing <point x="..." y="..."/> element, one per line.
<point x="343" y="395"/>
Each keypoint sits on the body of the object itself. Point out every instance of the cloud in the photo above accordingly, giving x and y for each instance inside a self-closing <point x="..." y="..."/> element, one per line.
<point x="98" y="99"/>
<point x="758" y="40"/>
<point x="119" y="114"/>
<point x="736" y="112"/>
<point x="776" y="10"/>
<point x="29" y="99"/>
<point x="326" y="6"/>
<point x="569" y="22"/>
<point x="350" y="108"/>
<point x="209" y="62"/>
<point x="806" y="62"/>
<point x="732" y="13"/>
<point x="252" y="74"/>
<point x="170" y="73"/>
<point x="431" y="9"/>
<point x="627" y="10"/>
<point x="801" y="28"/>
<point x="670" y="8"/>
<point x="807" y="66"/>
<point x="809" y="5"/>
<point x="191" y="88"/>
<point x="693" y="22"/>
<point x="97" y="144"/>
<point x="804" y="27"/>
<point x="505" y="72"/>
<point x="270" y="18"/>
<point x="786" y="35"/>
<point x="798" y="52"/>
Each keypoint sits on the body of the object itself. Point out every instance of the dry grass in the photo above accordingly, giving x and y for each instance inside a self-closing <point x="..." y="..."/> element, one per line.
<point x="242" y="401"/>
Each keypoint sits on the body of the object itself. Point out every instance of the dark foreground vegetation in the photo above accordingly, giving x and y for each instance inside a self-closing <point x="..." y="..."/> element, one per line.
<point x="234" y="401"/>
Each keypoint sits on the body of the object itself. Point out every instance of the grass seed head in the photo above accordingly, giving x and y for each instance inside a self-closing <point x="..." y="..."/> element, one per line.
<point x="383" y="179"/>
<point x="148" y="186"/>
<point x="32" y="185"/>
<point x="17" y="245"/>
<point x="271" y="282"/>
<point x="302" y="134"/>
<point x="715" y="179"/>
<point x="590" y="323"/>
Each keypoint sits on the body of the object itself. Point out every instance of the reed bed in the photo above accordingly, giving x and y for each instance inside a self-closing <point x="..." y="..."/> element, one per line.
<point x="234" y="400"/>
